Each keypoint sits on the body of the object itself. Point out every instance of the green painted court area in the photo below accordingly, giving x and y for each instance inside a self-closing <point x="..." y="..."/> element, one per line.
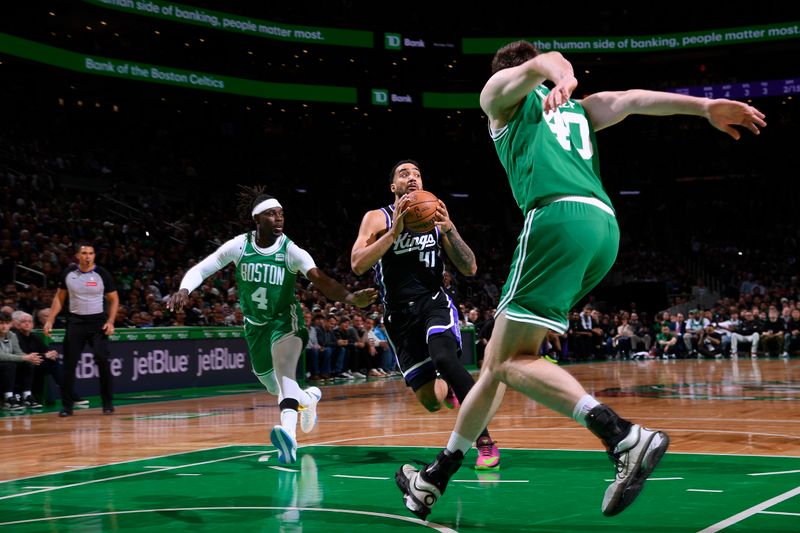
<point x="341" y="489"/>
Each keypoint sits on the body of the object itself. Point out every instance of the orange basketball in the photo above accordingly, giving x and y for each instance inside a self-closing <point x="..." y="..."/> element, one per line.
<point x="421" y="213"/>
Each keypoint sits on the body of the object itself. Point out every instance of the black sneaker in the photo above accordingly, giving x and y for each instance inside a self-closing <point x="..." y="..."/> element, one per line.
<point x="108" y="409"/>
<point x="10" y="404"/>
<point x="15" y="403"/>
<point x="65" y="412"/>
<point x="31" y="403"/>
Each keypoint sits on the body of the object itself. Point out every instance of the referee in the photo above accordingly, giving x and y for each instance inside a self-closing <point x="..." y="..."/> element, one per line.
<point x="88" y="285"/>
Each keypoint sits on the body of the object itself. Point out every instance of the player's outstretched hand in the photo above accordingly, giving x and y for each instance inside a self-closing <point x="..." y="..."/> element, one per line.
<point x="723" y="114"/>
<point x="178" y="300"/>
<point x="364" y="297"/>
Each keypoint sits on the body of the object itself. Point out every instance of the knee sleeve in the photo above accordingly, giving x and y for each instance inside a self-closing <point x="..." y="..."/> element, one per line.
<point x="443" y="350"/>
<point x="270" y="382"/>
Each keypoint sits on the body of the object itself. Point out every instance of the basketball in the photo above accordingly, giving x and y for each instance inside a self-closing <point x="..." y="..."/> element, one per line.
<point x="421" y="213"/>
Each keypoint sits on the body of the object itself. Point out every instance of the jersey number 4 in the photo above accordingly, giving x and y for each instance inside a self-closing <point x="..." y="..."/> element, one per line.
<point x="260" y="297"/>
<point x="563" y="123"/>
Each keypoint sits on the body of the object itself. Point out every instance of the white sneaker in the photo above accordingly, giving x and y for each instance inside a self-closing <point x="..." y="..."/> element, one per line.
<point x="418" y="495"/>
<point x="285" y="443"/>
<point x="308" y="413"/>
<point x="358" y="375"/>
<point x="635" y="458"/>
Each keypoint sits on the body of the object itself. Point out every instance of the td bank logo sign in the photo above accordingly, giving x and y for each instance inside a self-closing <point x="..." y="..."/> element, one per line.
<point x="383" y="97"/>
<point x="394" y="41"/>
<point x="380" y="97"/>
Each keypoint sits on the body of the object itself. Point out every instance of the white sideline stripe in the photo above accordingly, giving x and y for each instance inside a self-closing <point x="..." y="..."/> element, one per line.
<point x="360" y="477"/>
<point x="703" y="490"/>
<point x="282" y="469"/>
<point x="188" y="474"/>
<point x="747" y="513"/>
<point x="32" y="487"/>
<point x="432" y="525"/>
<point x="154" y="467"/>
<point x="774" y="473"/>
<point x="82" y="483"/>
<point x="490" y="481"/>
<point x="119" y="463"/>
<point x="779" y="513"/>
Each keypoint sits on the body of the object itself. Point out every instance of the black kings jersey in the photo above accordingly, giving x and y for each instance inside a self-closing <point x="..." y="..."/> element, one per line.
<point x="411" y="268"/>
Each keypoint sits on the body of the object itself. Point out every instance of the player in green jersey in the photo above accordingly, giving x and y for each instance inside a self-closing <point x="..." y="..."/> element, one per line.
<point x="267" y="263"/>
<point x="546" y="143"/>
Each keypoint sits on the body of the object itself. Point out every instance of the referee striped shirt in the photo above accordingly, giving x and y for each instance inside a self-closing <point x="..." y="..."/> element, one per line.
<point x="87" y="290"/>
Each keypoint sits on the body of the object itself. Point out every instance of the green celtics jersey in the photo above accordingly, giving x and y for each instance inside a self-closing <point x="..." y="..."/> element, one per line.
<point x="265" y="284"/>
<point x="551" y="155"/>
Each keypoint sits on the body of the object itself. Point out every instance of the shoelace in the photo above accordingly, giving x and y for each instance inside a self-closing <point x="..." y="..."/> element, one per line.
<point x="485" y="449"/>
<point x="619" y="463"/>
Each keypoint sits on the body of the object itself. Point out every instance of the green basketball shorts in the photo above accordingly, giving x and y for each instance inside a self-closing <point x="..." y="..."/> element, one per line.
<point x="565" y="249"/>
<point x="261" y="337"/>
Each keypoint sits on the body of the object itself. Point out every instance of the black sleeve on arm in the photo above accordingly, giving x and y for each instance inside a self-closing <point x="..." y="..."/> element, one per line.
<point x="62" y="282"/>
<point x="108" y="281"/>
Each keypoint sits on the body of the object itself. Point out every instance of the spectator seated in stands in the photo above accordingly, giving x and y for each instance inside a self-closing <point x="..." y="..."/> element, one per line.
<point x="378" y="348"/>
<point x="623" y="340"/>
<point x="695" y="325"/>
<point x="749" y="331"/>
<point x="641" y="339"/>
<point x="726" y="329"/>
<point x="773" y="330"/>
<point x="666" y="343"/>
<point x="709" y="343"/>
<point x="10" y="356"/>
<point x="791" y="342"/>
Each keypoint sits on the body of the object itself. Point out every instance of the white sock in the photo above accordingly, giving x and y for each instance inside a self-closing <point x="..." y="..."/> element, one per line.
<point x="582" y="408"/>
<point x="289" y="422"/>
<point x="8" y="395"/>
<point x="290" y="389"/>
<point x="458" y="443"/>
<point x="26" y="393"/>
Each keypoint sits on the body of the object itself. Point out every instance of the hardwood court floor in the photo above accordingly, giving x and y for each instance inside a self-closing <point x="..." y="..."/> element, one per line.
<point x="734" y="461"/>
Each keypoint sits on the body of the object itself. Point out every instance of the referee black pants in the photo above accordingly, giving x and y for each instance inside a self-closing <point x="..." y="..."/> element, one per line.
<point x="78" y="334"/>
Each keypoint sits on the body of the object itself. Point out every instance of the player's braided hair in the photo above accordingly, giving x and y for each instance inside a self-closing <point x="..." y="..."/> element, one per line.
<point x="248" y="198"/>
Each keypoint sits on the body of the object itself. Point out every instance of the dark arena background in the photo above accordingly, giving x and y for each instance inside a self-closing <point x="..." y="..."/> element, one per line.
<point x="129" y="124"/>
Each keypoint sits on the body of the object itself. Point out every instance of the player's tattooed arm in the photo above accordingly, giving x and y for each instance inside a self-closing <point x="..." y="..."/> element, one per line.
<point x="460" y="254"/>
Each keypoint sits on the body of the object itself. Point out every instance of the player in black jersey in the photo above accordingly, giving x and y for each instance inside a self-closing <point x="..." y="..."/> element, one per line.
<point x="421" y="319"/>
